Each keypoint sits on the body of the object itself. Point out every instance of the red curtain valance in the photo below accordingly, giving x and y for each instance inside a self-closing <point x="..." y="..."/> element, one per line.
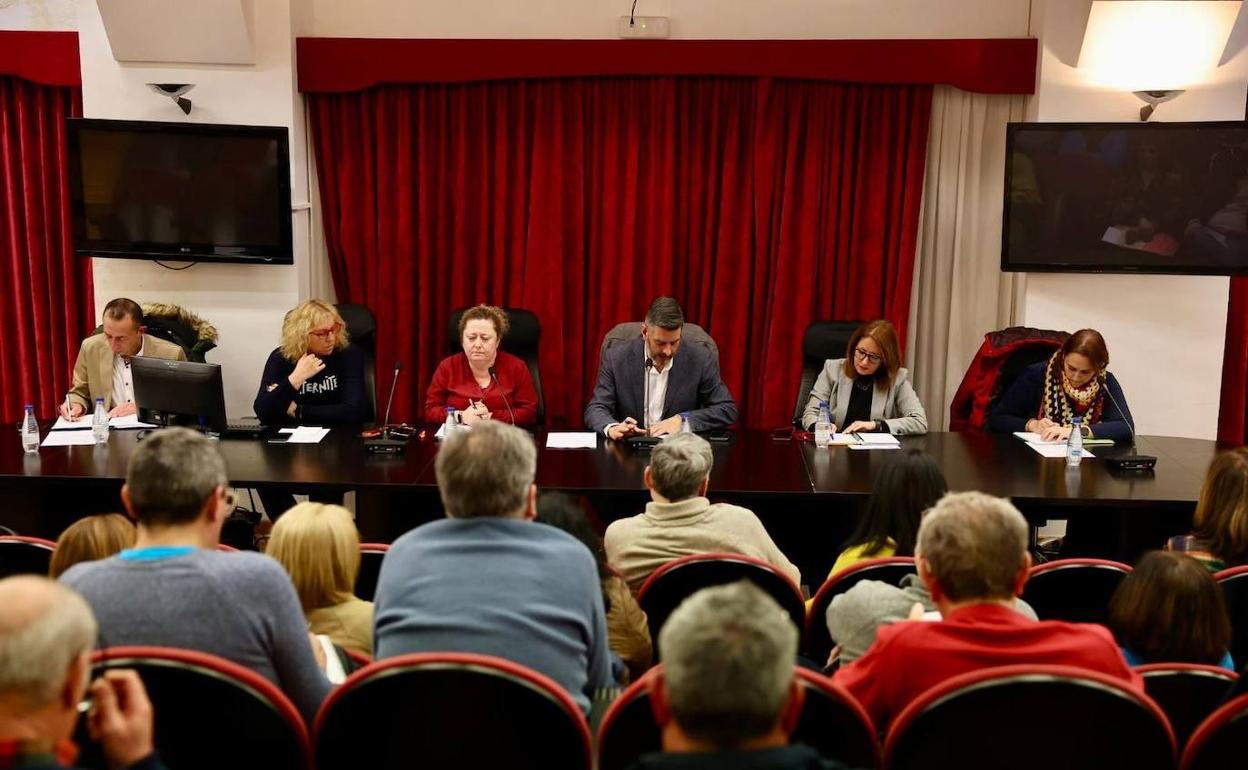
<point x="999" y="66"/>
<point x="48" y="58"/>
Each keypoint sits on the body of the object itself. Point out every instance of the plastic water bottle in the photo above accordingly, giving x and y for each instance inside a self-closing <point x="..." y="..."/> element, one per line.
<point x="99" y="422"/>
<point x="1074" y="443"/>
<point x="823" y="426"/>
<point x="30" y="431"/>
<point x="684" y="423"/>
<point x="452" y="424"/>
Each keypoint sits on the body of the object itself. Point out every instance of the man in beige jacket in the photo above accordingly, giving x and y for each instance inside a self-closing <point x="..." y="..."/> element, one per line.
<point x="680" y="521"/>
<point x="103" y="366"/>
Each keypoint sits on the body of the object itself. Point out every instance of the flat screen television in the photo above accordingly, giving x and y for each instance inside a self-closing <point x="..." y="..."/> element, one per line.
<point x="1131" y="197"/>
<point x="180" y="191"/>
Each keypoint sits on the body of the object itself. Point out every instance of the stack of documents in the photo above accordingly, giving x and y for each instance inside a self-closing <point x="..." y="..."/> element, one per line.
<point x="872" y="440"/>
<point x="304" y="435"/>
<point x="577" y="440"/>
<point x="1053" y="448"/>
<point x="130" y="422"/>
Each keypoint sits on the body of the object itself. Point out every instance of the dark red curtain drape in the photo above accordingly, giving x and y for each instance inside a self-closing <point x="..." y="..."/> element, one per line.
<point x="1233" y="411"/>
<point x="759" y="204"/>
<point x="47" y="292"/>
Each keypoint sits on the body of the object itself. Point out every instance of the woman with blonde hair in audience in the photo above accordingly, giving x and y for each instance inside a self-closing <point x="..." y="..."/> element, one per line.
<point x="319" y="547"/>
<point x="1219" y="536"/>
<point x="91" y="539"/>
<point x="1169" y="610"/>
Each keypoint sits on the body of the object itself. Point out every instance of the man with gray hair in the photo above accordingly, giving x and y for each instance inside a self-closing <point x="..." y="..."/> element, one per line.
<point x="726" y="695"/>
<point x="641" y="390"/>
<point x="972" y="556"/>
<point x="489" y="580"/>
<point x="680" y="520"/>
<point x="175" y="589"/>
<point x="46" y="636"/>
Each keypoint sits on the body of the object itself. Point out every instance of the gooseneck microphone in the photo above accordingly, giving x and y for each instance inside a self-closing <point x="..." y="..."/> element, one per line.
<point x="385" y="443"/>
<point x="1131" y="462"/>
<point x="494" y="376"/>
<point x="394" y="380"/>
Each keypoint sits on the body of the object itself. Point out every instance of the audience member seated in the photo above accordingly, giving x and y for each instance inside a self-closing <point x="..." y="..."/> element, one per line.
<point x="1219" y="537"/>
<point x="628" y="633"/>
<point x="972" y="556"/>
<point x="90" y="539"/>
<point x="46" y="635"/>
<point x="1169" y="610"/>
<point x="726" y="696"/>
<point x="484" y="383"/>
<point x="319" y="547"/>
<point x="906" y="486"/>
<point x="174" y="589"/>
<point x="868" y="390"/>
<point x="487" y="580"/>
<point x="680" y="521"/>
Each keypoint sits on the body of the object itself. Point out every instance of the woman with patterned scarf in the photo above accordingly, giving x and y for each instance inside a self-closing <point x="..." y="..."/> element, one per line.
<point x="1072" y="383"/>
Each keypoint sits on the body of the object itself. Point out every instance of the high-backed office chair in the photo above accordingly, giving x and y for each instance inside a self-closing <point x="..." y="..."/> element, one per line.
<point x="441" y="710"/>
<point x="823" y="341"/>
<point x="176" y="324"/>
<point x="521" y="341"/>
<point x="1031" y="718"/>
<point x="362" y="331"/>
<point x="831" y="722"/>
<point x="691" y="334"/>
<point x="998" y="362"/>
<point x="1187" y="692"/>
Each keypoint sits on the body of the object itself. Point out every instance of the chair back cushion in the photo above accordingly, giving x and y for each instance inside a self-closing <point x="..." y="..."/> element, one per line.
<point x="362" y="331"/>
<point x="522" y="341"/>
<point x="371" y="556"/>
<point x="997" y="363"/>
<point x="823" y="341"/>
<point x="888" y="569"/>
<point x="1234" y="583"/>
<point x="691" y="334"/>
<point x="21" y="555"/>
<point x="1187" y="692"/>
<point x="1074" y="590"/>
<point x="1218" y="744"/>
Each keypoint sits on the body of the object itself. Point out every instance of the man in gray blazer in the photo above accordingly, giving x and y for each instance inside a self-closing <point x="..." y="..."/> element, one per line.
<point x="674" y="384"/>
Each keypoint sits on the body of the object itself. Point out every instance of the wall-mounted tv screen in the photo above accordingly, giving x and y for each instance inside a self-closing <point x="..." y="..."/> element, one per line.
<point x="1140" y="197"/>
<point x="183" y="191"/>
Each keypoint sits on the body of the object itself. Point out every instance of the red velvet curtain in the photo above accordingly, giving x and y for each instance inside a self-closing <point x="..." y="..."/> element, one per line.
<point x="1233" y="414"/>
<point x="759" y="204"/>
<point x="47" y="305"/>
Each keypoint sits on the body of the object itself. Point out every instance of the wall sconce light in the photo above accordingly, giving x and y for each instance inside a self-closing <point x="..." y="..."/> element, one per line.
<point x="175" y="92"/>
<point x="1155" y="48"/>
<point x="1154" y="98"/>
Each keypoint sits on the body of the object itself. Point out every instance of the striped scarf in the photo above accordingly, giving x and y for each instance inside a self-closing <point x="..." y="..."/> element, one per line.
<point x="1062" y="401"/>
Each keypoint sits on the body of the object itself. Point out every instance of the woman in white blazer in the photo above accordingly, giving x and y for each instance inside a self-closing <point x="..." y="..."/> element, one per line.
<point x="868" y="390"/>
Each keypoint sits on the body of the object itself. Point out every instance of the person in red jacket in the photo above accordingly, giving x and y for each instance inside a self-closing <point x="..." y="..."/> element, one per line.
<point x="484" y="383"/>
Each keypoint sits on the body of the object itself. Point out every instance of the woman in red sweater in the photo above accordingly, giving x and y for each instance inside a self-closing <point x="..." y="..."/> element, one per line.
<point x="484" y="383"/>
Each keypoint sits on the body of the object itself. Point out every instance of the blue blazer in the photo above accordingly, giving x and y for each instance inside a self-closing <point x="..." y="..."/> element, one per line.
<point x="1022" y="402"/>
<point x="694" y="386"/>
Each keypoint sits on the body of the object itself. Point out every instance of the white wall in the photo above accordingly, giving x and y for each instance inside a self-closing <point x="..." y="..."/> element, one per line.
<point x="1165" y="333"/>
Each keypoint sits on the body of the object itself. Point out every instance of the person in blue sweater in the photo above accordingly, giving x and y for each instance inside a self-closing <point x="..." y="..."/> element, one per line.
<point x="1074" y="382"/>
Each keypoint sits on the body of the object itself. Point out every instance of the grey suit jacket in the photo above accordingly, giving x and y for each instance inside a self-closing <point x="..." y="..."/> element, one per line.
<point x="93" y="371"/>
<point x="899" y="406"/>
<point x="695" y="387"/>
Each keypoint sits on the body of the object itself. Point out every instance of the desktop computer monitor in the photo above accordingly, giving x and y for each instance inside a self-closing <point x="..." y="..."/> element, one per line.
<point x="179" y="393"/>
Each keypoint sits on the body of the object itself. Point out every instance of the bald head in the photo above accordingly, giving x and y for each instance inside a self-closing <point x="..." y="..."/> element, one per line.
<point x="44" y="627"/>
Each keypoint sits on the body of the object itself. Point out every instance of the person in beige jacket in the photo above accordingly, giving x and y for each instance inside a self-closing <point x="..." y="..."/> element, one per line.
<point x="680" y="521"/>
<point x="103" y="366"/>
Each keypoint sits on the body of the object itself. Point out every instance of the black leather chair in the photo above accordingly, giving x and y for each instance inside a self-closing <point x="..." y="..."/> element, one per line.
<point x="362" y="331"/>
<point x="371" y="555"/>
<point x="21" y="555"/>
<point x="690" y="334"/>
<point x="1031" y="718"/>
<point x="1187" y="692"/>
<point x="675" y="581"/>
<point x="210" y="713"/>
<point x="450" y="710"/>
<point x="888" y="569"/>
<point x="1218" y="744"/>
<point x="522" y="341"/>
<point x="831" y="722"/>
<point x="822" y="341"/>
<point x="1234" y="584"/>
<point x="1074" y="590"/>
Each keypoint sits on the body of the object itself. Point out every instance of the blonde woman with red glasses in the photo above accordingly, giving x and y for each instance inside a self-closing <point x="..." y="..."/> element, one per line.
<point x="316" y="376"/>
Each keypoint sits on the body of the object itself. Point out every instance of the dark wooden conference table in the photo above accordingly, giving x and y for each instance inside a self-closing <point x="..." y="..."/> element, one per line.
<point x="809" y="498"/>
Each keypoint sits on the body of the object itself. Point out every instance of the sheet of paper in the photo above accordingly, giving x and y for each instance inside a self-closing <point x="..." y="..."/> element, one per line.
<point x="441" y="434"/>
<point x="130" y="422"/>
<point x="69" y="438"/>
<point x="1054" y="450"/>
<point x="874" y="446"/>
<point x="82" y="423"/>
<point x="578" y="440"/>
<point x="879" y="439"/>
<point x="304" y="434"/>
<point x="1034" y="438"/>
<point x="844" y="439"/>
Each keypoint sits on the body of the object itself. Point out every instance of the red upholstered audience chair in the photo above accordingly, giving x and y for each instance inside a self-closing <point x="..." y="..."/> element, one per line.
<point x="1031" y="718"/>
<point x="1187" y="692"/>
<point x="450" y="710"/>
<point x="1221" y="741"/>
<point x="832" y="723"/>
<point x="1234" y="583"/>
<point x="25" y="555"/>
<point x="888" y="569"/>
<point x="210" y="713"/>
<point x="670" y="584"/>
<point x="1074" y="590"/>
<point x="371" y="555"/>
